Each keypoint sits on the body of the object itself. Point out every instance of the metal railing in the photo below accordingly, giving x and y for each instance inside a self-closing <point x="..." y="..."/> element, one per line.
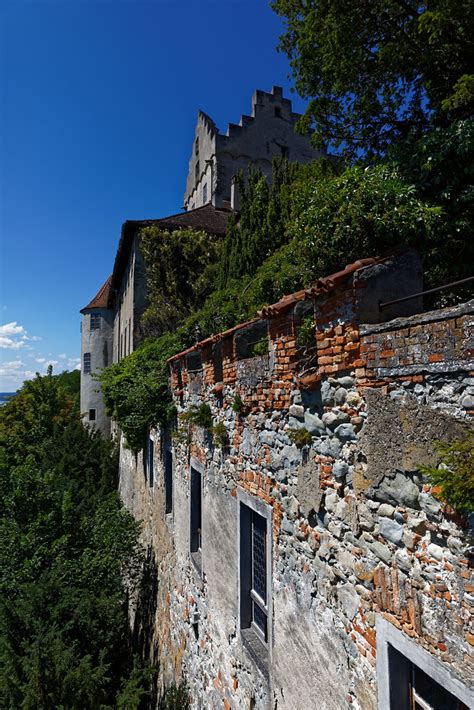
<point x="424" y="293"/>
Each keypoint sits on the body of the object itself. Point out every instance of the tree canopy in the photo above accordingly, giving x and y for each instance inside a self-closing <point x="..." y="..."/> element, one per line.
<point x="66" y="548"/>
<point x="376" y="70"/>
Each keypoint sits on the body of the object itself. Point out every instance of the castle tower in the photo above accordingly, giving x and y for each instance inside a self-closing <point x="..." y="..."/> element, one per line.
<point x="97" y="330"/>
<point x="216" y="158"/>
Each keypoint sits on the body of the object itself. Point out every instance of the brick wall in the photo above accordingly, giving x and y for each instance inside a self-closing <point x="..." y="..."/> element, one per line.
<point x="357" y="533"/>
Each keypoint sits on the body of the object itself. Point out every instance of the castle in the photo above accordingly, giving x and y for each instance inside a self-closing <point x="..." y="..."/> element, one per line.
<point x="110" y="326"/>
<point x="302" y="561"/>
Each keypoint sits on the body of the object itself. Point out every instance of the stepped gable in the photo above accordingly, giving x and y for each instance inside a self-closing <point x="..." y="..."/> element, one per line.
<point x="206" y="218"/>
<point x="101" y="299"/>
<point x="208" y="122"/>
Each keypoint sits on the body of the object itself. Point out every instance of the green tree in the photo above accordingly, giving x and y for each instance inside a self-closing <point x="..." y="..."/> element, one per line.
<point x="454" y="477"/>
<point x="375" y="71"/>
<point x="67" y="547"/>
<point x="181" y="269"/>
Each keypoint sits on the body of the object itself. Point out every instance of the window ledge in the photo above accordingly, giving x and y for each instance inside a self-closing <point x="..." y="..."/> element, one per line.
<point x="196" y="558"/>
<point x="256" y="649"/>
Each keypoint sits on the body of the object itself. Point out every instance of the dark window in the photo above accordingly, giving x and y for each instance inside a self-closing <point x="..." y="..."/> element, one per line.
<point x="87" y="363"/>
<point x="204" y="193"/>
<point x="168" y="481"/>
<point x="253" y="572"/>
<point x="92" y="415"/>
<point x="277" y="111"/>
<point x="217" y="361"/>
<point x="196" y="518"/>
<point x="149" y="460"/>
<point x="252" y="341"/>
<point x="285" y="152"/>
<point x="412" y="689"/>
<point x="196" y="146"/>
<point x="197" y="171"/>
<point x="95" y="321"/>
<point x="194" y="361"/>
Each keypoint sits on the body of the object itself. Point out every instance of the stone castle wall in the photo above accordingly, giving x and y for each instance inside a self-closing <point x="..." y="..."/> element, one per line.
<point x="358" y="543"/>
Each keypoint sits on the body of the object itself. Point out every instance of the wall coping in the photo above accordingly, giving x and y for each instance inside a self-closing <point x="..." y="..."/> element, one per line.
<point x="441" y="314"/>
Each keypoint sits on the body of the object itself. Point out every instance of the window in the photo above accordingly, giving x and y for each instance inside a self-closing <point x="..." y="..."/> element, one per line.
<point x="217" y="361"/>
<point x="254" y="572"/>
<point x="197" y="172"/>
<point x="196" y="146"/>
<point x="285" y="152"/>
<point x="410" y="678"/>
<point x="277" y="112"/>
<point x="86" y="366"/>
<point x="92" y="415"/>
<point x="95" y="321"/>
<point x="168" y="480"/>
<point x="149" y="460"/>
<point x="204" y="194"/>
<point x="196" y="518"/>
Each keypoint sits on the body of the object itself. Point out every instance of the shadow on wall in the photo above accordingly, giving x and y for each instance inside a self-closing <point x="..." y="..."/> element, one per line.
<point x="144" y="621"/>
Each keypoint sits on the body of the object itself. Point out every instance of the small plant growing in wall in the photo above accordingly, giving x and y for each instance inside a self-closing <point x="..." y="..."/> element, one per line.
<point x="306" y="335"/>
<point x="300" y="437"/>
<point x="199" y="415"/>
<point x="454" y="478"/>
<point x="237" y="404"/>
<point x="219" y="434"/>
<point x="259" y="348"/>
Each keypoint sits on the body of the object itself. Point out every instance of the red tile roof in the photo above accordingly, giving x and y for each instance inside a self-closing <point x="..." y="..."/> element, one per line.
<point x="101" y="299"/>
<point x="322" y="286"/>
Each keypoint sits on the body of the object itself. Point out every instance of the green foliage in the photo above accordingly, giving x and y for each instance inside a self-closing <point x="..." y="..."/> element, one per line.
<point x="181" y="269"/>
<point x="260" y="347"/>
<point x="237" y="404"/>
<point x="176" y="697"/>
<point x="306" y="334"/>
<point x="455" y="476"/>
<point x="199" y="415"/>
<point x="376" y="71"/>
<point x="362" y="212"/>
<point x="261" y="226"/>
<point x="219" y="434"/>
<point x="136" y="391"/>
<point x="300" y="437"/>
<point x="66" y="546"/>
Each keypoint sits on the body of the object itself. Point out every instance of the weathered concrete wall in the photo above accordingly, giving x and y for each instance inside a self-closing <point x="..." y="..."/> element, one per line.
<point x="356" y="533"/>
<point x="267" y="133"/>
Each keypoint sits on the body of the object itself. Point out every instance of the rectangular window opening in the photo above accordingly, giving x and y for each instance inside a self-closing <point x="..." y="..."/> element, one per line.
<point x="254" y="580"/>
<point x="252" y="341"/>
<point x="168" y="480"/>
<point x="150" y="461"/>
<point x="196" y="518"/>
<point x="204" y="194"/>
<point x="92" y="415"/>
<point x="217" y="361"/>
<point x="86" y="364"/>
<point x="413" y="689"/>
<point x="95" y="321"/>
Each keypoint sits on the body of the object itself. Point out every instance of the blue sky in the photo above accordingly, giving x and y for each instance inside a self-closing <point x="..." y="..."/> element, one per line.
<point x="99" y="102"/>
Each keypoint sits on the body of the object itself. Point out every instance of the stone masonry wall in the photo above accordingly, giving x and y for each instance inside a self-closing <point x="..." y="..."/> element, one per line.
<point x="357" y="533"/>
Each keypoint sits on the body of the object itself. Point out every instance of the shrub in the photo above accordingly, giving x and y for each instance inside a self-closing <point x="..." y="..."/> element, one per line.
<point x="219" y="434"/>
<point x="300" y="437"/>
<point x="199" y="415"/>
<point x="455" y="476"/>
<point x="237" y="404"/>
